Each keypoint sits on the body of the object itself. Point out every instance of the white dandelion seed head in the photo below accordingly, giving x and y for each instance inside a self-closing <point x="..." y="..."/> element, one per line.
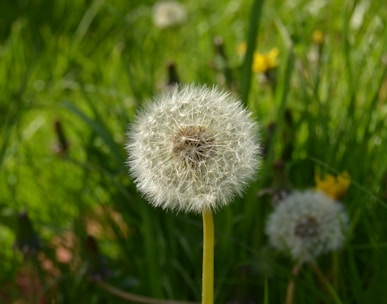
<point x="193" y="148"/>
<point x="307" y="224"/>
<point x="168" y="14"/>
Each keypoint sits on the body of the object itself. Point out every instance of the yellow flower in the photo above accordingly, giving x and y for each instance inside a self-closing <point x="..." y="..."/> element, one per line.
<point x="334" y="187"/>
<point x="318" y="37"/>
<point x="263" y="63"/>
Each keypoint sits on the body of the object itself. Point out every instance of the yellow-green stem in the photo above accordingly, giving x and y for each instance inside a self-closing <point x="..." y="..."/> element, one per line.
<point x="290" y="291"/>
<point x="208" y="258"/>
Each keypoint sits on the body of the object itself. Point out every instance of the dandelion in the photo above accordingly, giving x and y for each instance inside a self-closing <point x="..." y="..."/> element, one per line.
<point x="334" y="187"/>
<point x="168" y="14"/>
<point x="193" y="149"/>
<point x="306" y="225"/>
<point x="263" y="63"/>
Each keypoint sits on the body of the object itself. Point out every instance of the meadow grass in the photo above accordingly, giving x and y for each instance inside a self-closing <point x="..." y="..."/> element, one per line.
<point x="89" y="65"/>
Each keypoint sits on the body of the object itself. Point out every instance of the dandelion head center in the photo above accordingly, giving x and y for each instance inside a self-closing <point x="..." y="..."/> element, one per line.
<point x="193" y="145"/>
<point x="307" y="228"/>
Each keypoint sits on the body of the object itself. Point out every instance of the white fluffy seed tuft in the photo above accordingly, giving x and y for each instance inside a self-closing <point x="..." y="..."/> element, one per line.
<point x="193" y="148"/>
<point x="306" y="225"/>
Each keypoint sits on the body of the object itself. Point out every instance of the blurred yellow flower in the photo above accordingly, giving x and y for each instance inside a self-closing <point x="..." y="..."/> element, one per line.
<point x="263" y="63"/>
<point x="334" y="187"/>
<point x="318" y="37"/>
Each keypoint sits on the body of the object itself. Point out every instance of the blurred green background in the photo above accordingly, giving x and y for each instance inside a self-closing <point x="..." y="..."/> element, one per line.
<point x="73" y="73"/>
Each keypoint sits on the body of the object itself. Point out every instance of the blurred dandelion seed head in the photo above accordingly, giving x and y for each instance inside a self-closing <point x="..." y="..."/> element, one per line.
<point x="168" y="14"/>
<point x="307" y="228"/>
<point x="193" y="148"/>
<point x="307" y="224"/>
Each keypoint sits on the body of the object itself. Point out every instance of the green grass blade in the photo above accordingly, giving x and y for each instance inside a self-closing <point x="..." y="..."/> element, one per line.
<point x="255" y="18"/>
<point x="100" y="130"/>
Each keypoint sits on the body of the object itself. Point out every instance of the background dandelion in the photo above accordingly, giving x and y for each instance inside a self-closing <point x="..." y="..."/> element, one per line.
<point x="306" y="225"/>
<point x="168" y="14"/>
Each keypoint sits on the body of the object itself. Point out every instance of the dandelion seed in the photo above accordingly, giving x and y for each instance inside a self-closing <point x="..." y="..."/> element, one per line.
<point x="306" y="225"/>
<point x="192" y="149"/>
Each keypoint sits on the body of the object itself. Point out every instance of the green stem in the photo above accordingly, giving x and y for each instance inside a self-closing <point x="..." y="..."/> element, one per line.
<point x="320" y="276"/>
<point x="252" y="34"/>
<point x="291" y="289"/>
<point x="208" y="258"/>
<point x="325" y="283"/>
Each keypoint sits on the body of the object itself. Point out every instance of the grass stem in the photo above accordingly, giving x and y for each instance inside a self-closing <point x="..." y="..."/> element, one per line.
<point x="252" y="34"/>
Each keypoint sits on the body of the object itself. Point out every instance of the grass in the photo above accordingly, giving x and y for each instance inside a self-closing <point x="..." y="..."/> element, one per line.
<point x="90" y="65"/>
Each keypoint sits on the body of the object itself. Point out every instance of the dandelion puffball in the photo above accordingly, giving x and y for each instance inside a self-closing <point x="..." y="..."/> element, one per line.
<point x="168" y="14"/>
<point x="307" y="224"/>
<point x="192" y="148"/>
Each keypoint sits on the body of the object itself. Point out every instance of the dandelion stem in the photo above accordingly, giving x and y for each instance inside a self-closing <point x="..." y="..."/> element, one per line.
<point x="208" y="258"/>
<point x="290" y="291"/>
